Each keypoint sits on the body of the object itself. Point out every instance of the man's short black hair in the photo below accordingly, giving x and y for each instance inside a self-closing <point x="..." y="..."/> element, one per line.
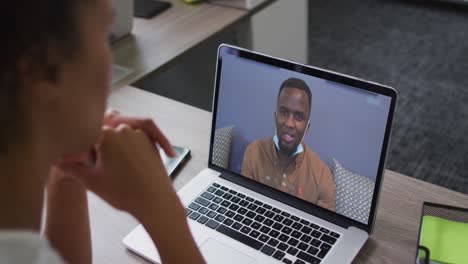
<point x="32" y="31"/>
<point x="298" y="84"/>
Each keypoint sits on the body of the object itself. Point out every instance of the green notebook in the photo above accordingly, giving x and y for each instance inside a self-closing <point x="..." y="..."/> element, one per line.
<point x="446" y="240"/>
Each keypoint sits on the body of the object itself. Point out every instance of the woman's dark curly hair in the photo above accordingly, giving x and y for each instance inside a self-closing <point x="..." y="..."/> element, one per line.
<point x="31" y="32"/>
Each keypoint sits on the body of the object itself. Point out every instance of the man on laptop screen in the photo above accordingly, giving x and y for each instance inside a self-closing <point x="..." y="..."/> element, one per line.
<point x="284" y="162"/>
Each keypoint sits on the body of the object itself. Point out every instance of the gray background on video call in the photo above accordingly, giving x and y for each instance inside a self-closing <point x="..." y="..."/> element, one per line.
<point x="346" y="124"/>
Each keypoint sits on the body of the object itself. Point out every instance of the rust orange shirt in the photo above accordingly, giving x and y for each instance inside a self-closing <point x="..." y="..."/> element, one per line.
<point x="308" y="177"/>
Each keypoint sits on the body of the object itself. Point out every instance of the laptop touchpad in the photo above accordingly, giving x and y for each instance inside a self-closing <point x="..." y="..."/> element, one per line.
<point x="216" y="252"/>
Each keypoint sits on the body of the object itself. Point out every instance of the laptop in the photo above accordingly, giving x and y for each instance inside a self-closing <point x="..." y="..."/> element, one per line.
<point x="295" y="166"/>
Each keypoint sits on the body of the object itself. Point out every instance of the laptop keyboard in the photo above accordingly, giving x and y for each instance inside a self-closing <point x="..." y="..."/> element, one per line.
<point x="276" y="233"/>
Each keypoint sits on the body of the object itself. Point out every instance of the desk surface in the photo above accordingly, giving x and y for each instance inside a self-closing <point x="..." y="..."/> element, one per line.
<point x="396" y="229"/>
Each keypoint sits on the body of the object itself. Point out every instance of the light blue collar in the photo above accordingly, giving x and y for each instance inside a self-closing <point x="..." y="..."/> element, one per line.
<point x="299" y="148"/>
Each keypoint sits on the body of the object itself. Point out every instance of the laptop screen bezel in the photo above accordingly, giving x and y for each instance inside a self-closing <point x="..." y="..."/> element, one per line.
<point x="273" y="193"/>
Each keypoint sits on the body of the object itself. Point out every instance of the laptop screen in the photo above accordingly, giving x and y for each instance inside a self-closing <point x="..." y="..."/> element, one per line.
<point x="319" y="140"/>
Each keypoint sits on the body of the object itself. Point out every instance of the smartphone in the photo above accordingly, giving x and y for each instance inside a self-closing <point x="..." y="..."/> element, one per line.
<point x="172" y="164"/>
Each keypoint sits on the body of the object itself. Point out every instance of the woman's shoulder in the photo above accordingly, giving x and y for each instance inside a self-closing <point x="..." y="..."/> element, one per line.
<point x="26" y="247"/>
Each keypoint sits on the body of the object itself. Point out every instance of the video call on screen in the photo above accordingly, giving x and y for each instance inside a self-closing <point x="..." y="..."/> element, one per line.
<point x="325" y="151"/>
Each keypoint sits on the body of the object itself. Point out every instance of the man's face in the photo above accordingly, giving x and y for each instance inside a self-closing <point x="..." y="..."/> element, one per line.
<point x="291" y="118"/>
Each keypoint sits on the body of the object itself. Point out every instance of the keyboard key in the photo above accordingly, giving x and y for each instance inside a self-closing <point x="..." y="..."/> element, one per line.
<point x="287" y="222"/>
<point x="314" y="226"/>
<point x="221" y="210"/>
<point x="216" y="185"/>
<point x="263" y="238"/>
<point x="269" y="214"/>
<point x="246" y="229"/>
<point x="241" y="195"/>
<point x="324" y="230"/>
<point x="251" y="214"/>
<point x="260" y="210"/>
<point x="267" y="206"/>
<point x="239" y="237"/>
<point x="303" y="246"/>
<point x="187" y="211"/>
<point x="285" y="214"/>
<point x="306" y="230"/>
<point x="244" y="203"/>
<point x="259" y="218"/>
<point x="228" y="222"/>
<point x="249" y="199"/>
<point x="268" y="222"/>
<point x="273" y="242"/>
<point x="305" y="222"/>
<point x="202" y="201"/>
<point x="265" y="229"/>
<point x="276" y="210"/>
<point x="328" y="239"/>
<point x="254" y="234"/>
<point x="247" y="221"/>
<point x="283" y="237"/>
<point x="255" y="225"/>
<point x="296" y="234"/>
<point x="230" y="214"/>
<point x="203" y="210"/>
<point x="293" y="242"/>
<point x="297" y="226"/>
<point x="282" y="246"/>
<point x="219" y="218"/>
<point x="279" y="255"/>
<point x="217" y="200"/>
<point x="211" y="214"/>
<point x="207" y="195"/>
<point x="238" y="217"/>
<point x="324" y="248"/>
<point x="274" y="233"/>
<point x="227" y="196"/>
<point x="242" y="211"/>
<point x="212" y="224"/>
<point x="202" y="220"/>
<point x="286" y="230"/>
<point x="211" y="189"/>
<point x="224" y="188"/>
<point x="299" y="261"/>
<point x="194" y="206"/>
<point x="234" y="207"/>
<point x="225" y="203"/>
<point x="335" y="235"/>
<point x="235" y="200"/>
<point x="236" y="226"/>
<point x="292" y="251"/>
<point x="257" y="202"/>
<point x="313" y="251"/>
<point x="219" y="193"/>
<point x="267" y="250"/>
<point x="252" y="207"/>
<point x="316" y="234"/>
<point x="278" y="218"/>
<point x="213" y="206"/>
<point x="295" y="218"/>
<point x="232" y="192"/>
<point x="194" y="215"/>
<point x="287" y="261"/>
<point x="308" y="258"/>
<point x="315" y="243"/>
<point x="277" y="226"/>
<point x="306" y="238"/>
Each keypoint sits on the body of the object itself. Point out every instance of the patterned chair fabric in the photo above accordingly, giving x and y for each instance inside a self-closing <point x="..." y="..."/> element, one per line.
<point x="353" y="193"/>
<point x="222" y="146"/>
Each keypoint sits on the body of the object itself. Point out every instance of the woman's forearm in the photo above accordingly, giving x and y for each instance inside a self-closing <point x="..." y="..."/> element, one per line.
<point x="67" y="223"/>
